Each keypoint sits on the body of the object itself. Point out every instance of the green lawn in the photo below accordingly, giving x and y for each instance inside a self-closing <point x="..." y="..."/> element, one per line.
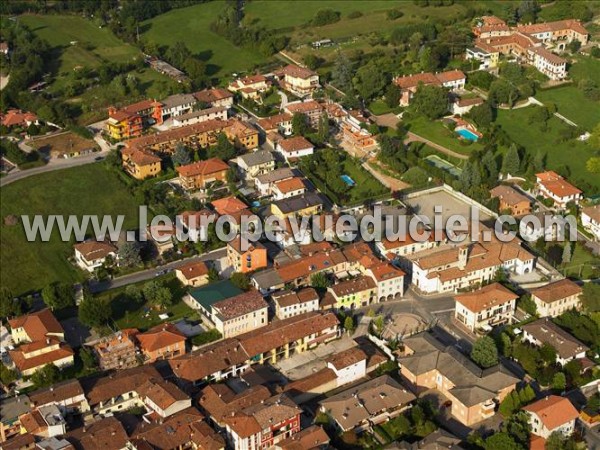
<point x="583" y="264"/>
<point x="92" y="45"/>
<point x="573" y="105"/>
<point x="89" y="189"/>
<point x="572" y="154"/>
<point x="437" y="133"/>
<point x="126" y="314"/>
<point x="585" y="67"/>
<point x="192" y="26"/>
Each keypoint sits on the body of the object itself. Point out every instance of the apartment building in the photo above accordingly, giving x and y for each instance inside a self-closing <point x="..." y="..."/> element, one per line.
<point x="487" y="55"/>
<point x="307" y="204"/>
<point x="485" y="308"/>
<point x="311" y="109"/>
<point x="512" y="200"/>
<point x="161" y="342"/>
<point x="279" y="123"/>
<point x="257" y="163"/>
<point x="246" y="260"/>
<point x="553" y="299"/>
<point x="350" y="294"/>
<point x="200" y="174"/>
<point x="292" y="303"/>
<point x="140" y="164"/>
<point x="200" y="115"/>
<point x="116" y="351"/>
<point x="408" y="84"/>
<point x="130" y="121"/>
<point x="298" y="80"/>
<point x="176" y="105"/>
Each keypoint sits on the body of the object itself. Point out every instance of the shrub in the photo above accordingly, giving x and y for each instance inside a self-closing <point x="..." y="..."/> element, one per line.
<point x="393" y="14"/>
<point x="206" y="337"/>
<point x="325" y="17"/>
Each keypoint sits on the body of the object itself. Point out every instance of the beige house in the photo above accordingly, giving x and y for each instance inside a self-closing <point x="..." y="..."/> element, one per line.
<point x="555" y="298"/>
<point x="486" y="307"/>
<point x="474" y="393"/>
<point x="355" y="293"/>
<point x="298" y="80"/>
<point x="240" y="314"/>
<point x="590" y="219"/>
<point x="552" y="414"/>
<point x="193" y="274"/>
<point x="256" y="163"/>
<point x="291" y="303"/>
<point x="90" y="255"/>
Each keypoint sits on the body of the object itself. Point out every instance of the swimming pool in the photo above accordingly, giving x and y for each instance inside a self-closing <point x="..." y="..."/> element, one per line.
<point x="468" y="134"/>
<point x="349" y="181"/>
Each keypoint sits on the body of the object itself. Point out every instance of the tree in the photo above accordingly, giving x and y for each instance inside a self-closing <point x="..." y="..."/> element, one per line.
<point x="9" y="306"/>
<point x="430" y="101"/>
<point x="58" y="296"/>
<point x="46" y="376"/>
<point x="7" y="376"/>
<point x="134" y="294"/>
<point x="213" y="274"/>
<point x="566" y="255"/>
<point x="88" y="359"/>
<point x="319" y="280"/>
<point x="300" y="124"/>
<point x="240" y="280"/>
<point x="392" y="95"/>
<point x="484" y="352"/>
<point x="556" y="441"/>
<point x="526" y="395"/>
<point x="490" y="166"/>
<point x="483" y="115"/>
<point x="157" y="294"/>
<point x="369" y="81"/>
<point x="559" y="382"/>
<point x="592" y="165"/>
<point x="129" y="254"/>
<point x="512" y="161"/>
<point x="94" y="312"/>
<point x="548" y="353"/>
<point x="574" y="46"/>
<point x="590" y="297"/>
<point x="224" y="149"/>
<point x="501" y="441"/>
<point x="341" y="74"/>
<point x="325" y="17"/>
<point x="181" y="155"/>
<point x="349" y="324"/>
<point x="323" y="131"/>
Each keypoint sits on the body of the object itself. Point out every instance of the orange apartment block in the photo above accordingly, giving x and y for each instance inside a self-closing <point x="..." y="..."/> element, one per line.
<point x="140" y="164"/>
<point x="245" y="261"/>
<point x="199" y="174"/>
<point x="161" y="342"/>
<point x="130" y="121"/>
<point x="511" y="199"/>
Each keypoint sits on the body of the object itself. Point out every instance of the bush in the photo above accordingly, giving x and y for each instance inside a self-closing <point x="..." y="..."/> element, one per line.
<point x="484" y="352"/>
<point x="206" y="337"/>
<point x="325" y="17"/>
<point x="394" y="14"/>
<point x="355" y="15"/>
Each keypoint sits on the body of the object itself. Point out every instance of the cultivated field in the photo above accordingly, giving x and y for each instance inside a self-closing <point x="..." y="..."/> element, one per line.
<point x="65" y="143"/>
<point x="89" y="189"/>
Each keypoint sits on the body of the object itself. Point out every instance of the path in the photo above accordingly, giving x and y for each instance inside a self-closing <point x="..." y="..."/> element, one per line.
<point x="412" y="137"/>
<point x="390" y="182"/>
<point x="4" y="81"/>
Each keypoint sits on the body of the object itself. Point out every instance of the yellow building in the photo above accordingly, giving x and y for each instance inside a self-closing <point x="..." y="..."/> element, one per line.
<point x="350" y="294"/>
<point x="301" y="205"/>
<point x="140" y="164"/>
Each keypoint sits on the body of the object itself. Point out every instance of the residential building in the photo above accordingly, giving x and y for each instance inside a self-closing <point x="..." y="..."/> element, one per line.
<point x="18" y="118"/>
<point x="461" y="105"/>
<point x="590" y="219"/>
<point x="264" y="424"/>
<point x="240" y="314"/>
<point x="452" y="80"/>
<point x="140" y="164"/>
<point x="349" y="365"/>
<point x="295" y="147"/>
<point x="298" y="80"/>
<point x="279" y="123"/>
<point x="307" y="204"/>
<point x="161" y="342"/>
<point x="200" y="115"/>
<point x="553" y="299"/>
<point x="291" y="187"/>
<point x="546" y="62"/>
<point x="491" y="26"/>
<point x="354" y="293"/>
<point x="200" y="174"/>
<point x="552" y="414"/>
<point x="163" y="237"/>
<point x="277" y="340"/>
<point x="41" y="342"/>
<point x="311" y="109"/>
<point x="99" y="435"/>
<point x="251" y="87"/>
<point x="313" y="438"/>
<point x="544" y="331"/>
<point x="257" y="163"/>
<point x="511" y="199"/>
<point x="246" y="260"/>
<point x="68" y="396"/>
<point x="11" y="409"/>
<point x="130" y="121"/>
<point x="193" y="274"/>
<point x="44" y="422"/>
<point x="292" y="303"/>
<point x="219" y="401"/>
<point x="176" y="105"/>
<point x="228" y="206"/>
<point x="90" y="255"/>
<point x="20" y="442"/>
<point x="116" y="351"/>
<point x="474" y="393"/>
<point x="487" y="56"/>
<point x="485" y="308"/>
<point x="450" y="268"/>
<point x="195" y="223"/>
<point x="265" y="183"/>
<point x="367" y="404"/>
<point x="561" y="32"/>
<point x="215" y="97"/>
<point x="388" y="279"/>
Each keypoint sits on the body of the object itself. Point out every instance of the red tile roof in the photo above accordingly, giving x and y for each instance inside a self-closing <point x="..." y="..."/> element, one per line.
<point x="557" y="291"/>
<point x="240" y="305"/>
<point x="297" y="72"/>
<point x="290" y="185"/>
<point x="485" y="298"/>
<point x="94" y="250"/>
<point x="553" y="411"/>
<point x="556" y="184"/>
<point x="204" y="168"/>
<point x="193" y="270"/>
<point x="38" y="324"/>
<point x="160" y="337"/>
<point x="228" y="205"/>
<point x="295" y="143"/>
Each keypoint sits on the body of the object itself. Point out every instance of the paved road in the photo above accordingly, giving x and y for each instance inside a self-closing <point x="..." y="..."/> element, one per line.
<point x="219" y="255"/>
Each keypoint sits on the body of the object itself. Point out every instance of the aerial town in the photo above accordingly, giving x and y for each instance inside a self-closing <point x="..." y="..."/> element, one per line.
<point x="136" y="135"/>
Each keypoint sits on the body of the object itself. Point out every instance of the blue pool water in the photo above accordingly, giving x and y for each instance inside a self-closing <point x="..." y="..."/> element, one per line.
<point x="254" y="204"/>
<point x="468" y="134"/>
<point x="349" y="181"/>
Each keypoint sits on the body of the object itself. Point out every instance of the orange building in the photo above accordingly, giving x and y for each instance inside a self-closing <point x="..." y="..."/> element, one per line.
<point x="254" y="258"/>
<point x="161" y="342"/>
<point x="511" y="199"/>
<point x="199" y="174"/>
<point x="130" y="121"/>
<point x="140" y="164"/>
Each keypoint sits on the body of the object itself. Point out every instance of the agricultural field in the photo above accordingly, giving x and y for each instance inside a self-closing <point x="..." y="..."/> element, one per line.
<point x="89" y="189"/>
<point x="92" y="45"/>
<point x="192" y="26"/>
<point x="531" y="137"/>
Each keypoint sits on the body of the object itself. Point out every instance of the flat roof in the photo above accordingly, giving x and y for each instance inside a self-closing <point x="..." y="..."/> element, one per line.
<point x="212" y="293"/>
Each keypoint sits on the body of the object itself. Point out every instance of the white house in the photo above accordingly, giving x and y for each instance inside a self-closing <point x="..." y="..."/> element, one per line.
<point x="295" y="147"/>
<point x="200" y="115"/>
<point x="290" y="303"/>
<point x="590" y="219"/>
<point x="486" y="307"/>
<point x="177" y="105"/>
<point x="555" y="298"/>
<point x="551" y="185"/>
<point x="256" y="163"/>
<point x="90" y="255"/>
<point x="349" y="365"/>
<point x="551" y="414"/>
<point x="265" y="183"/>
<point x="544" y="331"/>
<point x="389" y="281"/>
<point x="289" y="188"/>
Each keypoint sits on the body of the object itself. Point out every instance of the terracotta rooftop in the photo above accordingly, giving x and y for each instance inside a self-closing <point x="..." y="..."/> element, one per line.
<point x="557" y="184"/>
<point x="313" y="437"/>
<point x="289" y="298"/>
<point x="297" y="72"/>
<point x="59" y="392"/>
<point x="193" y="270"/>
<point x="140" y="157"/>
<point x="509" y="195"/>
<point x="557" y="290"/>
<point x="553" y="411"/>
<point x="212" y="95"/>
<point x="485" y="298"/>
<point x="385" y="271"/>
<point x="559" y="25"/>
<point x="290" y="185"/>
<point x="349" y="287"/>
<point x="17" y="117"/>
<point x="159" y="337"/>
<point x="94" y="250"/>
<point x="295" y="143"/>
<point x="100" y="435"/>
<point x="116" y="384"/>
<point x="37" y="324"/>
<point x="308" y="265"/>
<point x="451" y="75"/>
<point x="203" y="168"/>
<point x="228" y="205"/>
<point x="303" y="107"/>
<point x="162" y="393"/>
<point x="347" y="358"/>
<point x="271" y="123"/>
<point x="240" y="305"/>
<point x="593" y="212"/>
<point x="219" y="401"/>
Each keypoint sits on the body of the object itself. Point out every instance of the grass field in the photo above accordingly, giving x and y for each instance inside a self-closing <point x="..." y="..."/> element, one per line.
<point x="573" y="105"/>
<point x="191" y="25"/>
<point x="436" y="132"/>
<point x="89" y="189"/>
<point x="93" y="46"/>
<point x="572" y="154"/>
<point x="585" y="67"/>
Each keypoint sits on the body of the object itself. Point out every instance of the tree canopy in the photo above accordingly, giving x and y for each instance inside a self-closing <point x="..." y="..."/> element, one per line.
<point x="484" y="352"/>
